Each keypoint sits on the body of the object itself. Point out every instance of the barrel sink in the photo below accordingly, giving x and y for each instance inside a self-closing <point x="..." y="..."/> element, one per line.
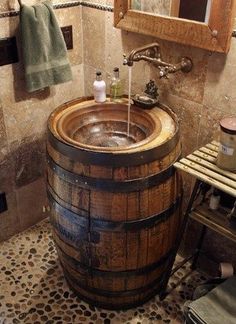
<point x="115" y="199"/>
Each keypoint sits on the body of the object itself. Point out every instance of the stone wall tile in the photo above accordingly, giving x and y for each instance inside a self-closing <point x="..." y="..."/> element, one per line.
<point x="7" y="174"/>
<point x="220" y="88"/>
<point x="29" y="160"/>
<point x="7" y="5"/>
<point x="73" y="16"/>
<point x="189" y="114"/>
<point x="24" y="114"/>
<point x="9" y="27"/>
<point x="3" y="136"/>
<point x="89" y="72"/>
<point x="72" y="89"/>
<point x="190" y="85"/>
<point x="27" y="117"/>
<point x="9" y="220"/>
<point x="209" y="125"/>
<point x="93" y="22"/>
<point x="30" y="202"/>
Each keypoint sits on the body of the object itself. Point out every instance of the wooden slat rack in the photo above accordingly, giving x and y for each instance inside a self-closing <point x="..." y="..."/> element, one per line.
<point x="202" y="165"/>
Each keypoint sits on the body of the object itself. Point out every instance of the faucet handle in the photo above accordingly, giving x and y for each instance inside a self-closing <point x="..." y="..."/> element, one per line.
<point x="164" y="70"/>
<point x="125" y="61"/>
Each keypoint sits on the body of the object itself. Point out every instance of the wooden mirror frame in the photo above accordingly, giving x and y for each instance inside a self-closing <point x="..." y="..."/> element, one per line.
<point x="214" y="36"/>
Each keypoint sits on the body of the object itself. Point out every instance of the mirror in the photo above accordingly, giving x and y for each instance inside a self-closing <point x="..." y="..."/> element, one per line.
<point x="207" y="26"/>
<point x="187" y="9"/>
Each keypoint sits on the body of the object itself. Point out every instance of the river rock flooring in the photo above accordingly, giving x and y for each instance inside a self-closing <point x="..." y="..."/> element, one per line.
<point x="34" y="291"/>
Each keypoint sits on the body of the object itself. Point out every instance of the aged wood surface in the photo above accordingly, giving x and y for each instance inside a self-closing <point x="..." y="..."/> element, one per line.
<point x="202" y="165"/>
<point x="214" y="220"/>
<point x="174" y="10"/>
<point x="214" y="36"/>
<point x="114" y="246"/>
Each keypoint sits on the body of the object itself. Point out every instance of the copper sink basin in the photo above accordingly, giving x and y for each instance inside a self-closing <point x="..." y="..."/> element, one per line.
<point x="103" y="127"/>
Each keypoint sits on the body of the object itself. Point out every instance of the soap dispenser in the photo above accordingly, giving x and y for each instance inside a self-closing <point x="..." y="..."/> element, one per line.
<point x="99" y="88"/>
<point x="116" y="92"/>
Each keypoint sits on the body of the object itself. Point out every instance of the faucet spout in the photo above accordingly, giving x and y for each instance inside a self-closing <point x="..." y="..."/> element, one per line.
<point x="151" y="53"/>
<point x="146" y="53"/>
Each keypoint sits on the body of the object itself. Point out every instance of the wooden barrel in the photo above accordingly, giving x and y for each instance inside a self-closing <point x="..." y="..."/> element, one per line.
<point x="115" y="200"/>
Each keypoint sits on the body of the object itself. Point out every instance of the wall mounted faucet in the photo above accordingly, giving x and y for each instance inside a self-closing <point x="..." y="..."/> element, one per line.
<point x="151" y="53"/>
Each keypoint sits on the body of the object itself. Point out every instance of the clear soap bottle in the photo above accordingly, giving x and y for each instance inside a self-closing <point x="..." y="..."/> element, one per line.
<point x="116" y="91"/>
<point x="99" y="88"/>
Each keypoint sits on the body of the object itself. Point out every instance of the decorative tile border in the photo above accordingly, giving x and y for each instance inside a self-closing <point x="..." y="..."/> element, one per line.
<point x="66" y="5"/>
<point x="14" y="13"/>
<point x="97" y="6"/>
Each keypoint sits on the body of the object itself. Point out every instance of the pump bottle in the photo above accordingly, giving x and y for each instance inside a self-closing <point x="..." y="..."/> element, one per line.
<point x="116" y="87"/>
<point x="99" y="88"/>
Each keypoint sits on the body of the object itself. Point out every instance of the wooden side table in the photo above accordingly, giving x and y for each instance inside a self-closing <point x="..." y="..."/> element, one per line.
<point x="202" y="165"/>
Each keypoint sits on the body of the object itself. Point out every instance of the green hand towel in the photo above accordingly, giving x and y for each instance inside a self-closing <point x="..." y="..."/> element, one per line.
<point x="216" y="307"/>
<point x="43" y="47"/>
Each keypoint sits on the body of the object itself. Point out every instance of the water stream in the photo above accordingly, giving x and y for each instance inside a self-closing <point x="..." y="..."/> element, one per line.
<point x="129" y="99"/>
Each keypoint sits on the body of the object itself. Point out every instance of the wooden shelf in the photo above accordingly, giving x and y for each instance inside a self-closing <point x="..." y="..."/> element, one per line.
<point x="202" y="165"/>
<point x="215" y="220"/>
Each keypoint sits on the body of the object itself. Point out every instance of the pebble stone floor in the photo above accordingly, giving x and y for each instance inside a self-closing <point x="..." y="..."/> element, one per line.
<point x="34" y="291"/>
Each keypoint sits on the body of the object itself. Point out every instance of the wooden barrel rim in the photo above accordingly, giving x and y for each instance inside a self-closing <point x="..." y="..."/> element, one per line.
<point x="109" y="158"/>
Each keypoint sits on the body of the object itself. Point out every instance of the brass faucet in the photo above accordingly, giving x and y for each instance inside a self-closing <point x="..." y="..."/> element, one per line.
<point x="151" y="53"/>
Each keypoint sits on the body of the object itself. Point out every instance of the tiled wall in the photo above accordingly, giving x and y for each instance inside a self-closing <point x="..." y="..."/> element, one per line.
<point x="200" y="98"/>
<point x="23" y="120"/>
